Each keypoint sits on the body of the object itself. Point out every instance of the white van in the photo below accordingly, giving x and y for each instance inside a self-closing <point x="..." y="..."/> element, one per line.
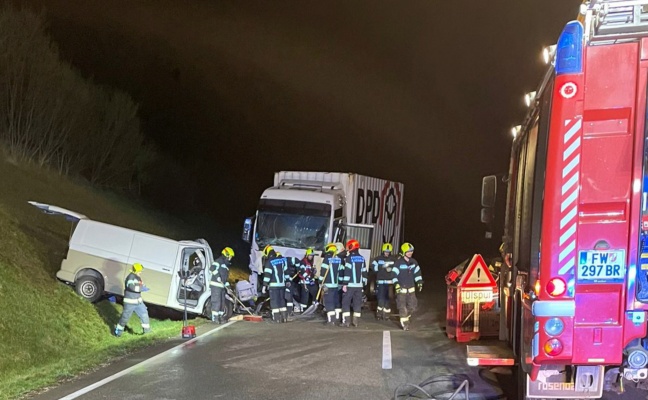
<point x="100" y="255"/>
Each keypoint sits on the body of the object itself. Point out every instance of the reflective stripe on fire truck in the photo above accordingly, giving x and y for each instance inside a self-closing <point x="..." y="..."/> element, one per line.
<point x="569" y="196"/>
<point x="553" y="308"/>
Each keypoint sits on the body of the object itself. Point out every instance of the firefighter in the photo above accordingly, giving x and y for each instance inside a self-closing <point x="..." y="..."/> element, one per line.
<point x="407" y="276"/>
<point x="353" y="278"/>
<point x="133" y="301"/>
<point x="329" y="278"/>
<point x="382" y="266"/>
<point x="219" y="276"/>
<point x="307" y="272"/>
<point x="274" y="278"/>
<point x="292" y="290"/>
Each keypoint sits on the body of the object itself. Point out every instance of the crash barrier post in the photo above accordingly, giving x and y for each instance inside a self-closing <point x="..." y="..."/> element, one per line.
<point x="472" y="301"/>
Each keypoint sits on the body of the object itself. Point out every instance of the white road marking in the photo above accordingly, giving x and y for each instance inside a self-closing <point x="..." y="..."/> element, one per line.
<point x="387" y="357"/>
<point x="111" y="378"/>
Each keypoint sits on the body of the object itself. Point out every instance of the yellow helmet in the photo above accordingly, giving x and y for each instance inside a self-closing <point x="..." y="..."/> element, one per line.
<point x="406" y="248"/>
<point x="137" y="268"/>
<point x="267" y="250"/>
<point x="228" y="252"/>
<point x="331" y="248"/>
<point x="309" y="252"/>
<point x="387" y="248"/>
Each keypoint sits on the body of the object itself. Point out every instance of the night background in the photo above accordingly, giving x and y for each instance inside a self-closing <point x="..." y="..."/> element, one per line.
<point x="421" y="92"/>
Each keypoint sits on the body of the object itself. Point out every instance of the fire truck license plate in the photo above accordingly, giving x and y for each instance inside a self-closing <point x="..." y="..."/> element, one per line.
<point x="601" y="265"/>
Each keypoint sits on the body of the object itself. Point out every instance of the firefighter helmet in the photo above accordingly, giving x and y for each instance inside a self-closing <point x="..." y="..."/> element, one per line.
<point x="228" y="252"/>
<point x="387" y="248"/>
<point x="267" y="250"/>
<point x="406" y="248"/>
<point x="352" y="245"/>
<point x="331" y="248"/>
<point x="137" y="268"/>
<point x="309" y="252"/>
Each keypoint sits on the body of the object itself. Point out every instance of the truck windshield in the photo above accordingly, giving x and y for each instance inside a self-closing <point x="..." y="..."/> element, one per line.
<point x="290" y="223"/>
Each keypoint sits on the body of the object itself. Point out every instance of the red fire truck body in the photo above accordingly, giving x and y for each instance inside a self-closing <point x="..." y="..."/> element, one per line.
<point x="573" y="287"/>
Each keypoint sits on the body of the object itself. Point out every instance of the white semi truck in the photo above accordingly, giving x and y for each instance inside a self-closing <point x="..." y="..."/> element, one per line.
<point x="310" y="209"/>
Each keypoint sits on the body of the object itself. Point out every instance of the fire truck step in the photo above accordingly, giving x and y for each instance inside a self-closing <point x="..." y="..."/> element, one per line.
<point x="491" y="355"/>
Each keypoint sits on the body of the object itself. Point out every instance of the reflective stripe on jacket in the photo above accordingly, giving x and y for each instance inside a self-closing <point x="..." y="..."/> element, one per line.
<point x="354" y="273"/>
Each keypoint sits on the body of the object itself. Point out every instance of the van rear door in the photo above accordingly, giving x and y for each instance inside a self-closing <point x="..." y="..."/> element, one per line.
<point x="54" y="210"/>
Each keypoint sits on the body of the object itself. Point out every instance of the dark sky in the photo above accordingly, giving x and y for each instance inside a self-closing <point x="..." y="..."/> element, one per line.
<point x="422" y="92"/>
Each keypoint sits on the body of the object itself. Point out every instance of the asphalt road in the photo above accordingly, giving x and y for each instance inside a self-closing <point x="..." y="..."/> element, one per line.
<point x="299" y="360"/>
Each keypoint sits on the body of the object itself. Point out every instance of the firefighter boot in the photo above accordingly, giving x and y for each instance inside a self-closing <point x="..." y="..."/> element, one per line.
<point x="276" y="317"/>
<point x="284" y="316"/>
<point x="118" y="332"/>
<point x="379" y="315"/>
<point x="355" y="322"/>
<point x="345" y="321"/>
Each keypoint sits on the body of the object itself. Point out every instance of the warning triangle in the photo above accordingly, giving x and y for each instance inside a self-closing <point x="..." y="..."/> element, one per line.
<point x="477" y="274"/>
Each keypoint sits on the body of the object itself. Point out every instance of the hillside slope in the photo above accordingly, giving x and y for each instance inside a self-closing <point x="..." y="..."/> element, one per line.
<point x="47" y="332"/>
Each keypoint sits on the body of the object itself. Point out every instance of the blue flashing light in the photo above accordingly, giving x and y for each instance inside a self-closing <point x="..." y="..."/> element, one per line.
<point x="569" y="50"/>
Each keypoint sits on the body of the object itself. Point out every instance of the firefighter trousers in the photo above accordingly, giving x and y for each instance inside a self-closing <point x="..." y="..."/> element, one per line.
<point x="277" y="301"/>
<point x="217" y="301"/>
<point x="382" y="293"/>
<point x="352" y="299"/>
<point x="140" y="310"/>
<point x="406" y="303"/>
<point x="332" y="299"/>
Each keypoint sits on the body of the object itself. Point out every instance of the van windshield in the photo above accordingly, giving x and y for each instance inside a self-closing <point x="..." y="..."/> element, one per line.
<point x="289" y="223"/>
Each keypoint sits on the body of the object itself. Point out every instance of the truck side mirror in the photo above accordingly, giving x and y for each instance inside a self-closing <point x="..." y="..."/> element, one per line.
<point x="247" y="229"/>
<point x="489" y="191"/>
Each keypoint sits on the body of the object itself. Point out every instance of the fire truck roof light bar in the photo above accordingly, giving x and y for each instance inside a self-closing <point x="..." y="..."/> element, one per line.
<point x="569" y="50"/>
<point x="553" y="308"/>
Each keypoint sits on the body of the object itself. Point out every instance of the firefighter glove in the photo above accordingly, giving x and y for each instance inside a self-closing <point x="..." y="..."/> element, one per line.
<point x="264" y="290"/>
<point x="397" y="287"/>
<point x="145" y="288"/>
<point x="420" y="286"/>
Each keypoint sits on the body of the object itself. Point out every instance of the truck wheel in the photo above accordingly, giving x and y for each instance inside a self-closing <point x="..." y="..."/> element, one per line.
<point x="89" y="287"/>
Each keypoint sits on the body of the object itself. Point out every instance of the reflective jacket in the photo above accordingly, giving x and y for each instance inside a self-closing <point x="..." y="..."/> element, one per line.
<point x="354" y="273"/>
<point x="274" y="272"/>
<point x="133" y="289"/>
<point x="382" y="266"/>
<point x="220" y="272"/>
<point x="332" y="276"/>
<point x="307" y="272"/>
<point x="407" y="273"/>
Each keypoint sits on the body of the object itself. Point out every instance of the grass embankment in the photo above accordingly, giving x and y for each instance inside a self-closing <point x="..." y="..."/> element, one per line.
<point x="47" y="332"/>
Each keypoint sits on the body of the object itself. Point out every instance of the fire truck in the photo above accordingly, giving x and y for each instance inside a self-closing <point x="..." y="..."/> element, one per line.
<point x="573" y="286"/>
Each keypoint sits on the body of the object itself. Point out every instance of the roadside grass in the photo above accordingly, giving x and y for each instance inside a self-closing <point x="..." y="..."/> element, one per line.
<point x="47" y="332"/>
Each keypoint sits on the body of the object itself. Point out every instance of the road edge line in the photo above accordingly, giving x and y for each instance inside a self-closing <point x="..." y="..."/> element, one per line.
<point x="119" y="374"/>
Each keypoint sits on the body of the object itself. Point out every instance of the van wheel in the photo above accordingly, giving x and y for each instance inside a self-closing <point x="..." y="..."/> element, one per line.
<point x="207" y="309"/>
<point x="229" y="309"/>
<point x="89" y="287"/>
